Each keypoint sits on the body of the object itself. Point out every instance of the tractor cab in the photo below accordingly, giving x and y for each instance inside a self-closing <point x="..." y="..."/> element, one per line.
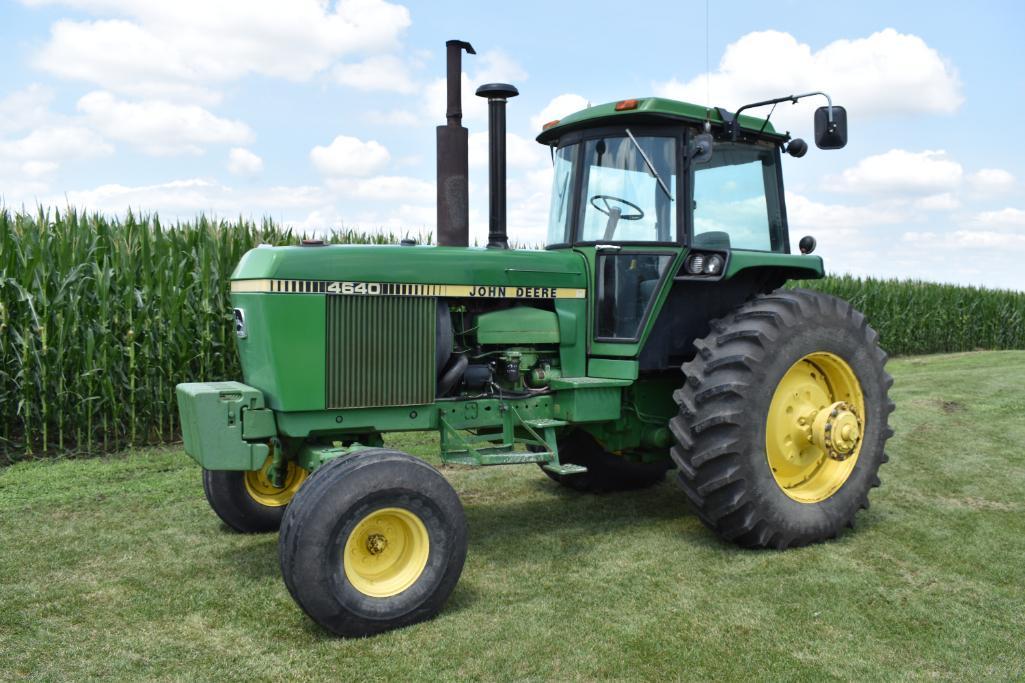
<point x="653" y="189"/>
<point x="652" y="171"/>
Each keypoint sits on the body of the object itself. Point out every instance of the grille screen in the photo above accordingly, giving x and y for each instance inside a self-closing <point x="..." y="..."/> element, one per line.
<point x="380" y="351"/>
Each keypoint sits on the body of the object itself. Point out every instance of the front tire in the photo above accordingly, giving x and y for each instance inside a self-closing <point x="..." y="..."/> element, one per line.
<point x="374" y="541"/>
<point x="783" y="419"/>
<point x="247" y="501"/>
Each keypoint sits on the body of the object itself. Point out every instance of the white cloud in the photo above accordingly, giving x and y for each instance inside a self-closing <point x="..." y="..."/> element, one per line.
<point x="38" y="169"/>
<point x="529" y="194"/>
<point x="806" y="214"/>
<point x="883" y="74"/>
<point x="944" y="201"/>
<point x="25" y="109"/>
<point x="556" y="109"/>
<point x="160" y="127"/>
<point x="966" y="239"/>
<point x="900" y="171"/>
<point x="55" y="144"/>
<point x="243" y="162"/>
<point x="989" y="181"/>
<point x="861" y="239"/>
<point x="385" y="189"/>
<point x="188" y="47"/>
<point x="519" y="151"/>
<point x="187" y="197"/>
<point x="348" y="156"/>
<point x="379" y="72"/>
<point x="1004" y="218"/>
<point x="492" y="66"/>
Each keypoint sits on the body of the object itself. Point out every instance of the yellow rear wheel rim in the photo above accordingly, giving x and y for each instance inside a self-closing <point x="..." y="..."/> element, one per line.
<point x="386" y="552"/>
<point x="260" y="488"/>
<point x="814" y="427"/>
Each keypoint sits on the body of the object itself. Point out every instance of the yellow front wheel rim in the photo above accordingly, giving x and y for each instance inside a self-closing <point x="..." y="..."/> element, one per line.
<point x="814" y="427"/>
<point x="386" y="552"/>
<point x="260" y="488"/>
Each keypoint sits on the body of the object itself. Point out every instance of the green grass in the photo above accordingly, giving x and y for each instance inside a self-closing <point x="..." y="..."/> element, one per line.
<point x="116" y="568"/>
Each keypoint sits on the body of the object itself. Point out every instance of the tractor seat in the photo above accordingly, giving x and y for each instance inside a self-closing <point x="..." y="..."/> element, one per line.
<point x="714" y="239"/>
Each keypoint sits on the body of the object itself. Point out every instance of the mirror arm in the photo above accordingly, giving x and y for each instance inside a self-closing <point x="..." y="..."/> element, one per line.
<point x="732" y="121"/>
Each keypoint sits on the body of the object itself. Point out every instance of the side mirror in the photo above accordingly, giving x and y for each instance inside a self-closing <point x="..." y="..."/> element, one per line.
<point x="797" y="148"/>
<point x="701" y="148"/>
<point x="830" y="134"/>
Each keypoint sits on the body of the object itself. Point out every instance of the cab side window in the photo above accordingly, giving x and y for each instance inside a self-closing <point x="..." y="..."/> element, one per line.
<point x="627" y="285"/>
<point x="736" y="200"/>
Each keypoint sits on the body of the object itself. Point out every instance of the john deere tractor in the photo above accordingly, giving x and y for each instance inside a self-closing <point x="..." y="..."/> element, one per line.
<point x="652" y="334"/>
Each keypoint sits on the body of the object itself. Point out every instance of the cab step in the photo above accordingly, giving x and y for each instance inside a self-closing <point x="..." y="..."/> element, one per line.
<point x="545" y="423"/>
<point x="564" y="469"/>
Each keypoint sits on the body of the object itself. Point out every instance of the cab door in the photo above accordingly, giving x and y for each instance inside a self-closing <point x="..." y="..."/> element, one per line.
<point x="628" y="226"/>
<point x="630" y="282"/>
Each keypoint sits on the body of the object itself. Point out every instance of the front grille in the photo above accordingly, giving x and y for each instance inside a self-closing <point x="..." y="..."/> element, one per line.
<point x="380" y="351"/>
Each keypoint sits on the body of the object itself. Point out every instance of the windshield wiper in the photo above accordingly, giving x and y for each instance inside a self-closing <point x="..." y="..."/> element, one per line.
<point x="651" y="167"/>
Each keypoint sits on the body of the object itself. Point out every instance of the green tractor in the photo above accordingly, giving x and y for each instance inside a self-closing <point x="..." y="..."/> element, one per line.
<point x="651" y="334"/>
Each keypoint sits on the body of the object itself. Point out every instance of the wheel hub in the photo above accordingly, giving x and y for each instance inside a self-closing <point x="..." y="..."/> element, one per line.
<point x="386" y="552"/>
<point x="376" y="543"/>
<point x="261" y="488"/>
<point x="837" y="430"/>
<point x="814" y="427"/>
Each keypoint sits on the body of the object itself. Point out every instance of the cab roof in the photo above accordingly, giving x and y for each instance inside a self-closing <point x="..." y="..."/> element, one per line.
<point x="653" y="109"/>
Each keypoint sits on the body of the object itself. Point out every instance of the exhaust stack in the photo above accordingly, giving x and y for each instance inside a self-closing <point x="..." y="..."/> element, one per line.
<point x="453" y="153"/>
<point x="497" y="94"/>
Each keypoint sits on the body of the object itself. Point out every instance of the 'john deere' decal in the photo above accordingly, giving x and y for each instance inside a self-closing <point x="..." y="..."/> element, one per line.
<point x="401" y="289"/>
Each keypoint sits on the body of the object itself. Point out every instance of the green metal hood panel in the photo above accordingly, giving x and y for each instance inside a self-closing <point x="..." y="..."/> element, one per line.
<point x="648" y="106"/>
<point x="800" y="266"/>
<point x="415" y="265"/>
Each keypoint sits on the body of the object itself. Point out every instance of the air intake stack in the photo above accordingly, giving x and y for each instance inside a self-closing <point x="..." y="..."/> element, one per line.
<point x="497" y="94"/>
<point x="453" y="155"/>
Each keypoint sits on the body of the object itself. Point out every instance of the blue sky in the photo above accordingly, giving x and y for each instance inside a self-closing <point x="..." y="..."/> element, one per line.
<point x="322" y="114"/>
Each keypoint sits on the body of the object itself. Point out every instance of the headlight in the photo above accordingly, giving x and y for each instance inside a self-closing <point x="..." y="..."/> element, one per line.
<point x="713" y="265"/>
<point x="696" y="264"/>
<point x="705" y="263"/>
<point x="240" y="324"/>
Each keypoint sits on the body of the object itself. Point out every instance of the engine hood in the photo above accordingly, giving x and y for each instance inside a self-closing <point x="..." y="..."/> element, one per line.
<point x="415" y="265"/>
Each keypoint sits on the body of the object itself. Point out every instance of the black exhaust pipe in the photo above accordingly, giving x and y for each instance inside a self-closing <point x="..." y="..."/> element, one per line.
<point x="497" y="94"/>
<point x="453" y="151"/>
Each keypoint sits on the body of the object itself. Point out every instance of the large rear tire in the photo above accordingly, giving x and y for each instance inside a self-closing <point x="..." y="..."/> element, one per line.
<point x="606" y="472"/>
<point x="247" y="501"/>
<point x="374" y="541"/>
<point x="783" y="418"/>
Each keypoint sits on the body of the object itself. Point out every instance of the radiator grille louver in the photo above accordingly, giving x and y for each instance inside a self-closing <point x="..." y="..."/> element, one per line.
<point x="380" y="351"/>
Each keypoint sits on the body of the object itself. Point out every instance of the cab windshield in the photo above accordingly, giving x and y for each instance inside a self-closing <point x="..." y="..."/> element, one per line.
<point x="628" y="190"/>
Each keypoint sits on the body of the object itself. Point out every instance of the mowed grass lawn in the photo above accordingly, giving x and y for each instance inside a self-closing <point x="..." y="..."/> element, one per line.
<point x="116" y="568"/>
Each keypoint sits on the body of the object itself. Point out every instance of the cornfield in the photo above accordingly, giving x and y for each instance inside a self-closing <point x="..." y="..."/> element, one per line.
<point x="100" y="318"/>
<point x="914" y="317"/>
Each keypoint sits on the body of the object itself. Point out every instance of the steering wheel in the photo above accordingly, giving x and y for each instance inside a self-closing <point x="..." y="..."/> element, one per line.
<point x="606" y="198"/>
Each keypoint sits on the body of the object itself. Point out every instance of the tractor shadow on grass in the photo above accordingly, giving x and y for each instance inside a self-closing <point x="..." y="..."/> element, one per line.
<point x="256" y="558"/>
<point x="511" y="527"/>
<point x="572" y="522"/>
<point x="540" y="513"/>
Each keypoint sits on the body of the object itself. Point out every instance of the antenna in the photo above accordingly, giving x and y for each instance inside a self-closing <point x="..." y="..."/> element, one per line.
<point x="708" y="67"/>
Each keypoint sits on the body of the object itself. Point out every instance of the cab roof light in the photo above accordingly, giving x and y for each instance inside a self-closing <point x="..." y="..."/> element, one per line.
<point x="550" y="124"/>
<point x="626" y="105"/>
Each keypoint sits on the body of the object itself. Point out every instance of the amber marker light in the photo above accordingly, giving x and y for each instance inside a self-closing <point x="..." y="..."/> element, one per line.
<point x="626" y="105"/>
<point x="550" y="124"/>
